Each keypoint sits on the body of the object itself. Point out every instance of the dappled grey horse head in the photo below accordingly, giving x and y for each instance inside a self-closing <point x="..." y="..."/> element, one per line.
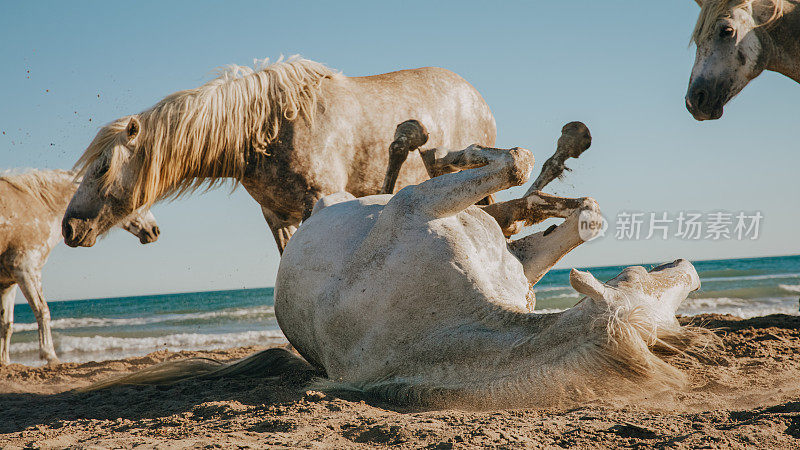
<point x="733" y="47"/>
<point x="105" y="196"/>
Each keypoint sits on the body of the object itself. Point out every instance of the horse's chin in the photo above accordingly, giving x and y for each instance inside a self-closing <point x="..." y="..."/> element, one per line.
<point x="713" y="115"/>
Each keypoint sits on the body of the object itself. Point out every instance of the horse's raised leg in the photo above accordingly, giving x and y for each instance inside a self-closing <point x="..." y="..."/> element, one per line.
<point x="513" y="215"/>
<point x="541" y="251"/>
<point x="7" y="293"/>
<point x="493" y="170"/>
<point x="408" y="136"/>
<point x="30" y="283"/>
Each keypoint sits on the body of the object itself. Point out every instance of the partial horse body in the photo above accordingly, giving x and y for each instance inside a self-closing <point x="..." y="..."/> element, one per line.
<point x="291" y="133"/>
<point x="736" y="41"/>
<point x="31" y="208"/>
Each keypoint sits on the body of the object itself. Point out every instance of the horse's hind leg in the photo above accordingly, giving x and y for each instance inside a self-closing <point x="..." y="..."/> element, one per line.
<point x="531" y="209"/>
<point x="408" y="136"/>
<point x="30" y="283"/>
<point x="8" y="292"/>
<point x="492" y="170"/>
<point x="541" y="251"/>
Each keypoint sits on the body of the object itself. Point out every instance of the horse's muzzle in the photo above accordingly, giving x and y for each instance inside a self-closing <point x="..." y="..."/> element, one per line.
<point x="149" y="235"/>
<point x="77" y="232"/>
<point x="703" y="102"/>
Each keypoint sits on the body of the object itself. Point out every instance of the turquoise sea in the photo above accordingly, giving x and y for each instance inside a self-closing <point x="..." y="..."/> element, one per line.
<point x="99" y="329"/>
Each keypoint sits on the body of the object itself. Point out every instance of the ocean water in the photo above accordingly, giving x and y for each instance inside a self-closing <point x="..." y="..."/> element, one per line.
<point x="100" y="329"/>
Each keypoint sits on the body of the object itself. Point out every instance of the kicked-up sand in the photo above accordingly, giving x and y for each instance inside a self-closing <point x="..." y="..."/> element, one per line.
<point x="744" y="394"/>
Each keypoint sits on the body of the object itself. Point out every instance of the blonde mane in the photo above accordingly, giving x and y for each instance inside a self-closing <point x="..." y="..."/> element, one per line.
<point x="713" y="10"/>
<point x="202" y="135"/>
<point x="42" y="184"/>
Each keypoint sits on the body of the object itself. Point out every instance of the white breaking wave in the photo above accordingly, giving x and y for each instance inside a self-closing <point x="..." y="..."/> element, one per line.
<point x="99" y="348"/>
<point x="86" y="322"/>
<point x="553" y="297"/>
<point x="790" y="287"/>
<point x="753" y="277"/>
<point x="552" y="288"/>
<point x="744" y="308"/>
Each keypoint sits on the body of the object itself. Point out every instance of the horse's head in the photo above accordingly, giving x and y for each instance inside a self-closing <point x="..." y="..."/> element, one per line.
<point x="142" y="224"/>
<point x="730" y="41"/>
<point x="661" y="290"/>
<point x="111" y="169"/>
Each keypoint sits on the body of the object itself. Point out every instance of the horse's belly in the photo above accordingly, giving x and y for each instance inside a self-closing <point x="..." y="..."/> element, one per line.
<point x="386" y="310"/>
<point x="312" y="264"/>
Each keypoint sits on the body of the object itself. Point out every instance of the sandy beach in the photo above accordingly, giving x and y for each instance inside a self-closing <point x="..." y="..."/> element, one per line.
<point x="746" y="394"/>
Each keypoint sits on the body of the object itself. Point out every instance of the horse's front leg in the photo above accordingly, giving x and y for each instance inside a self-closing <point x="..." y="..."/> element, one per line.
<point x="7" y="293"/>
<point x="539" y="252"/>
<point x="282" y="227"/>
<point x="492" y="170"/>
<point x="30" y="283"/>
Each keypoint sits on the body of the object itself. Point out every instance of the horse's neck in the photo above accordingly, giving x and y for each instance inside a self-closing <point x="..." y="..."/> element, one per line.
<point x="61" y="190"/>
<point x="784" y="44"/>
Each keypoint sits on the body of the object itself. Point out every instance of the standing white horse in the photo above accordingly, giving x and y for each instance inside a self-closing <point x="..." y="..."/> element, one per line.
<point x="291" y="133"/>
<point x="736" y="41"/>
<point x="419" y="298"/>
<point x="32" y="205"/>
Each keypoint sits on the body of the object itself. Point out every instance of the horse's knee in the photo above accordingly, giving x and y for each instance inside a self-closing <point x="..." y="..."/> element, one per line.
<point x="521" y="165"/>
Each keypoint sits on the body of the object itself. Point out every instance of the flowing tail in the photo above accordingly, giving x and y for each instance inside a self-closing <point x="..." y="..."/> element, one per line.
<point x="273" y="362"/>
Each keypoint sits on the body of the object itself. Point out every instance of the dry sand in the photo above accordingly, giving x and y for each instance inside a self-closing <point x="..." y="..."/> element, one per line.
<point x="746" y="395"/>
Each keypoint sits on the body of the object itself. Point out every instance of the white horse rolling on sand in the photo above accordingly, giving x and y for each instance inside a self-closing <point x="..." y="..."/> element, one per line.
<point x="290" y="132"/>
<point x="420" y="299"/>
<point x="32" y="205"/>
<point x="736" y="41"/>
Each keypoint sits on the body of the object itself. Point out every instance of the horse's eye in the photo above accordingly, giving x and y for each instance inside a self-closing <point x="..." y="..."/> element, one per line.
<point x="726" y="32"/>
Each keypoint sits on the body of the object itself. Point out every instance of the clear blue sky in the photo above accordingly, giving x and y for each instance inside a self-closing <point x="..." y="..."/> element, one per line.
<point x="619" y="66"/>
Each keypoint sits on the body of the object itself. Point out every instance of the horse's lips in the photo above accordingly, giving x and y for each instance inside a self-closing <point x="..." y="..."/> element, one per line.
<point x="86" y="239"/>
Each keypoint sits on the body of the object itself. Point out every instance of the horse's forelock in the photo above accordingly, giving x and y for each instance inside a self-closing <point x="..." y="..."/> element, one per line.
<point x="713" y="10"/>
<point x="110" y="135"/>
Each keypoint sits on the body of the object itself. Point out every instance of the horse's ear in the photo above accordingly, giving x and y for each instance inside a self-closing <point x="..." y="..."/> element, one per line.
<point x="133" y="128"/>
<point x="586" y="284"/>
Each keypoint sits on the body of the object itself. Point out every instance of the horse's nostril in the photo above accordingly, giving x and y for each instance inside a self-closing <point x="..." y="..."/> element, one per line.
<point x="156" y="231"/>
<point x="68" y="231"/>
<point x="700" y="97"/>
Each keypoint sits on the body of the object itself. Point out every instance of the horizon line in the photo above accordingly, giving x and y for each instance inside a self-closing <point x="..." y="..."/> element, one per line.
<point x="273" y="287"/>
